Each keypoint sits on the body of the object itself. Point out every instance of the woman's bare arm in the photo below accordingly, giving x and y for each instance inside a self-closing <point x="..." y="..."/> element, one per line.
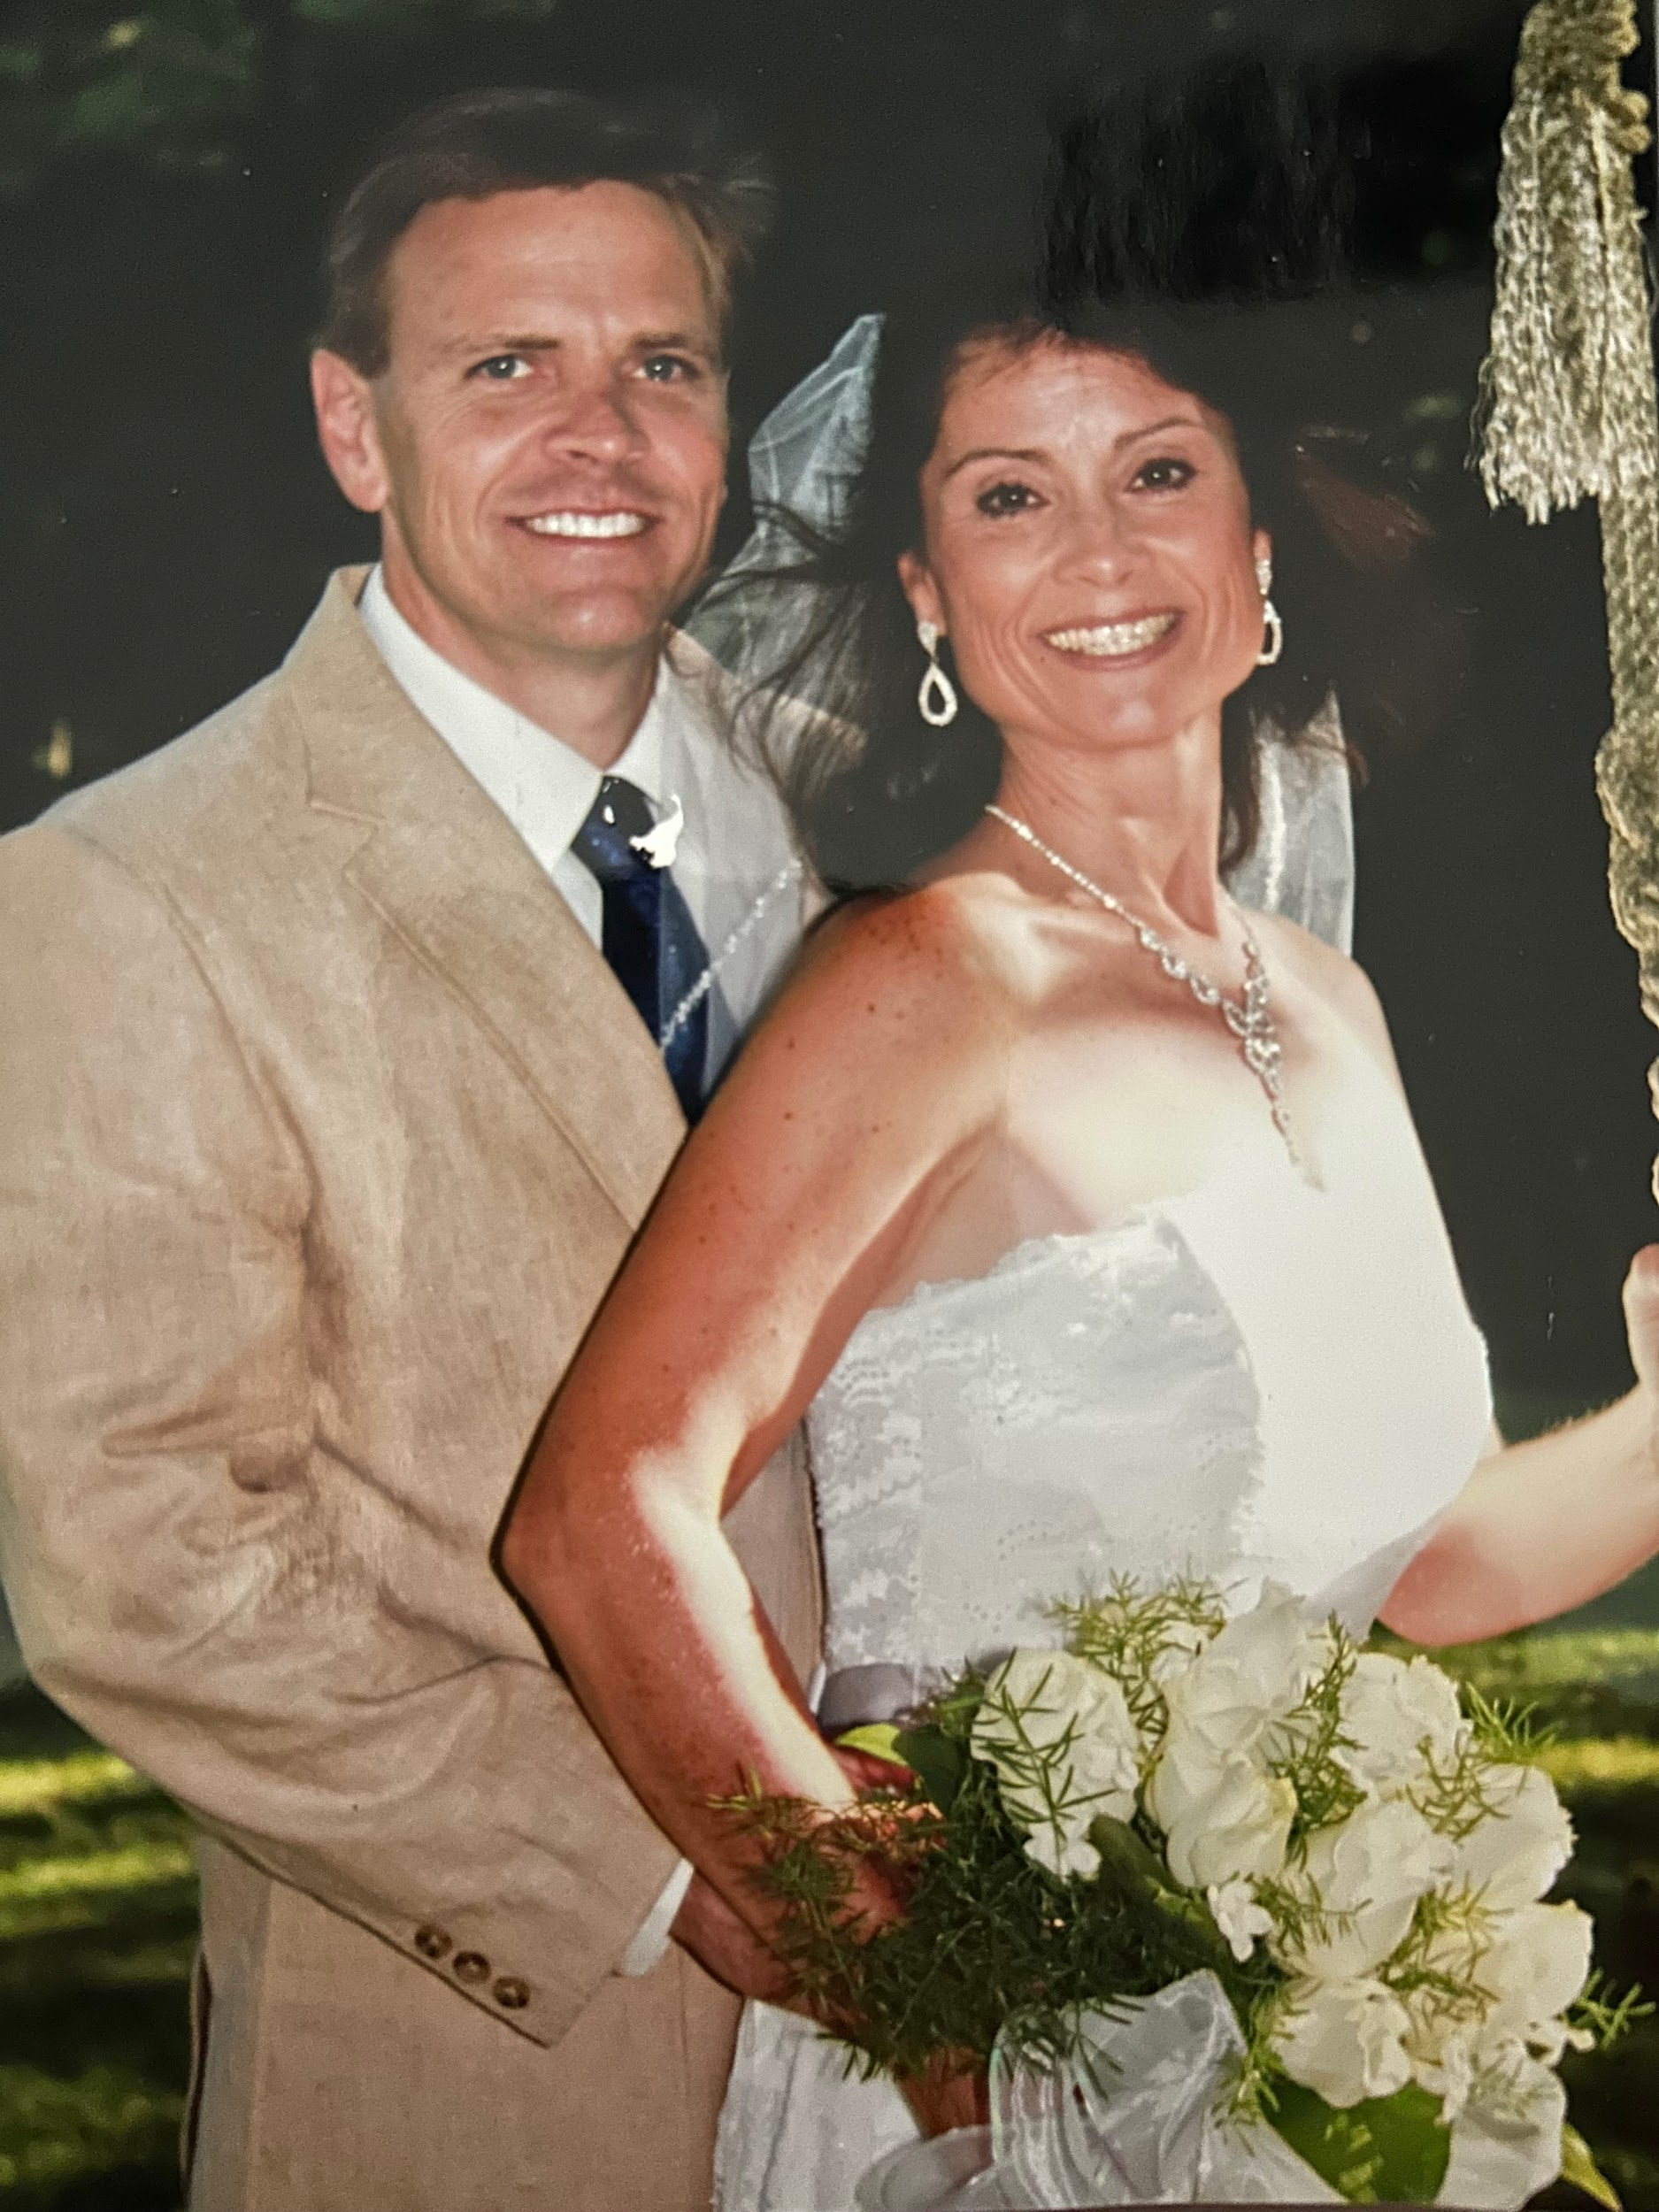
<point x="1547" y="1525"/>
<point x="1542" y="1526"/>
<point x="857" y="1106"/>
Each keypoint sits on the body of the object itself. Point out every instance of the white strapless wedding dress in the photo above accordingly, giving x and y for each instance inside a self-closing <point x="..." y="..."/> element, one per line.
<point x="1257" y="1379"/>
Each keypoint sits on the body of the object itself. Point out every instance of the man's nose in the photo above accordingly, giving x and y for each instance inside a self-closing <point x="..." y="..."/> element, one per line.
<point x="594" y="422"/>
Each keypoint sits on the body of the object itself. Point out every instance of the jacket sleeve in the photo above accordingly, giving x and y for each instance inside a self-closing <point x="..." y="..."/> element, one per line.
<point x="158" y="1446"/>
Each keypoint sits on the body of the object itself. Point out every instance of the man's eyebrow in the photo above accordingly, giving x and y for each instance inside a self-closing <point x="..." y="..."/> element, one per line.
<point x="676" y="341"/>
<point x="487" y="347"/>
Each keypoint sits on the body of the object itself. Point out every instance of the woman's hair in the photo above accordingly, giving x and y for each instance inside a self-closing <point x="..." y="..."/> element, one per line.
<point x="874" y="790"/>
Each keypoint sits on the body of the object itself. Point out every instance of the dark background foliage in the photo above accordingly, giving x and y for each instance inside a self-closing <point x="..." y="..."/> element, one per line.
<point x="165" y="523"/>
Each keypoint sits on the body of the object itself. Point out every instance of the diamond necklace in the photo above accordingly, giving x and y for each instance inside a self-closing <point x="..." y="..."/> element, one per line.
<point x="1249" y="1018"/>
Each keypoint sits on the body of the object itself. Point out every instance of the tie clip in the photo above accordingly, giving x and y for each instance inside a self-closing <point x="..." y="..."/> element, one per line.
<point x="659" y="843"/>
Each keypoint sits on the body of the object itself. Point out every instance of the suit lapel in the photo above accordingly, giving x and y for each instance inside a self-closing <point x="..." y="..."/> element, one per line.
<point x="448" y="872"/>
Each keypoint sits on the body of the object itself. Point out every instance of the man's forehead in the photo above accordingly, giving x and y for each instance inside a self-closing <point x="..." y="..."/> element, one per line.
<point x="547" y="262"/>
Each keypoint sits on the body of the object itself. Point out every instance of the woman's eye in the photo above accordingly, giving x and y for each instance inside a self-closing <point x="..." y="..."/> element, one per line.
<point x="1005" y="499"/>
<point x="1165" y="474"/>
<point x="502" y="368"/>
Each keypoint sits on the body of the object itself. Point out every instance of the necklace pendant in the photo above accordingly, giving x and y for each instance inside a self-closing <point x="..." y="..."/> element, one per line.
<point x="1249" y="1018"/>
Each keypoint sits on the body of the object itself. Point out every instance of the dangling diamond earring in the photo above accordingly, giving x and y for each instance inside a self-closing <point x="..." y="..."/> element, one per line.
<point x="937" y="700"/>
<point x="1274" y="643"/>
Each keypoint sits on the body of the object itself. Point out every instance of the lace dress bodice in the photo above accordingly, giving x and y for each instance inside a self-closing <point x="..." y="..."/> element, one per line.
<point x="1257" y="1379"/>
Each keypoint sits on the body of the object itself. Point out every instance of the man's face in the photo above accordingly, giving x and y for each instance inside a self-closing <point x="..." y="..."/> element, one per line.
<point x="546" y="446"/>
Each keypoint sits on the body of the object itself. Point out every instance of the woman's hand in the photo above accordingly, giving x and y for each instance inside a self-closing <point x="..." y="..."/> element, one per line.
<point x="948" y="2095"/>
<point x="868" y="1771"/>
<point x="1641" y="1323"/>
<point x="728" y="1948"/>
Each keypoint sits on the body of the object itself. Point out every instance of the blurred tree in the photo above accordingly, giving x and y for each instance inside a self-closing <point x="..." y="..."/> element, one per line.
<point x="185" y="85"/>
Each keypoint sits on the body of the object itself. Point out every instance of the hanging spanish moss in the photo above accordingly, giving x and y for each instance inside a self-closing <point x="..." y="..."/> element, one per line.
<point x="1568" y="401"/>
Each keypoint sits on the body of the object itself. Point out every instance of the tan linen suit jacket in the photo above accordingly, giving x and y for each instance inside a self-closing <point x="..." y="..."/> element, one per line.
<point x="323" y="1128"/>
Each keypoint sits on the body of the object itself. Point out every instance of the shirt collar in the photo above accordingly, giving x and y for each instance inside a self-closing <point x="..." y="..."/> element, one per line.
<point x="544" y="787"/>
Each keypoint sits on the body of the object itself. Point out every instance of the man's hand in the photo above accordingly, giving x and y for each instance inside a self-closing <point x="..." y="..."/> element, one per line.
<point x="728" y="1948"/>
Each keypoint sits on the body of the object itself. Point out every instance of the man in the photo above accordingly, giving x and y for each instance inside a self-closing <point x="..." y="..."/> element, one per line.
<point x="347" y="1041"/>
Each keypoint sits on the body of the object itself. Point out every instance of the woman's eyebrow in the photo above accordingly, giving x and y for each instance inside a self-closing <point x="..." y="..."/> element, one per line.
<point x="1151" y="429"/>
<point x="1037" y="453"/>
<point x="994" y="453"/>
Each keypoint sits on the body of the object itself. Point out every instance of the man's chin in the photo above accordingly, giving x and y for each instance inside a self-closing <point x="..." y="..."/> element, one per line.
<point x="608" y="627"/>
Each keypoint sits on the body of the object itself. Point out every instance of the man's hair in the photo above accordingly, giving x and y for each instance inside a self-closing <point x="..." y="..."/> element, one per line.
<point x="475" y="144"/>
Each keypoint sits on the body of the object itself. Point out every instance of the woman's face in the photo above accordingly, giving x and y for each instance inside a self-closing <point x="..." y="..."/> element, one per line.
<point x="1087" y="546"/>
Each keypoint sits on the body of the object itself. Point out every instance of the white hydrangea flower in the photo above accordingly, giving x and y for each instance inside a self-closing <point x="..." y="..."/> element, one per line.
<point x="1514" y="1855"/>
<point x="1054" y="1693"/>
<point x="1224" y="1822"/>
<point x="1183" y="1642"/>
<point x="1344" y="2040"/>
<point x="1538" y="1962"/>
<point x="1393" y="1712"/>
<point x="1449" y="2076"/>
<point x="1248" y="1676"/>
<point x="1364" y="1876"/>
<point x="1064" y="1848"/>
<point x="1233" y="1909"/>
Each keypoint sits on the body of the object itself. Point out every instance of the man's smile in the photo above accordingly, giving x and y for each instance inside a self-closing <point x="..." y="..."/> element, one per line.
<point x="578" y="522"/>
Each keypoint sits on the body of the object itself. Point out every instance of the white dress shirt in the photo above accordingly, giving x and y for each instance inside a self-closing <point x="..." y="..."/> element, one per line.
<point x="734" y="863"/>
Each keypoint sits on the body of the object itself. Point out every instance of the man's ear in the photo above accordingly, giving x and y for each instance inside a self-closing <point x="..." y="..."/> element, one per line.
<point x="919" y="589"/>
<point x="347" y="431"/>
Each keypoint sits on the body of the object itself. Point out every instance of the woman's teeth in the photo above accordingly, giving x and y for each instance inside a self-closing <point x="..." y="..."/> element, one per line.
<point x="1108" y="640"/>
<point x="618" y="524"/>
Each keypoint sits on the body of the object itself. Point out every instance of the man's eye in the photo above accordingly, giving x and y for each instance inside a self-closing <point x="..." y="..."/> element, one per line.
<point x="502" y="368"/>
<point x="1005" y="499"/>
<point x="669" y="368"/>
<point x="1165" y="474"/>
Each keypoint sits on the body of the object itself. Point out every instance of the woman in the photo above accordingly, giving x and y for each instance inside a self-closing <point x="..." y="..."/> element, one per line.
<point x="1079" y="1213"/>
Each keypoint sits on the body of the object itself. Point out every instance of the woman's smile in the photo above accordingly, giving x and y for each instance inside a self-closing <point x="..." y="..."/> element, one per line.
<point x="1134" y="637"/>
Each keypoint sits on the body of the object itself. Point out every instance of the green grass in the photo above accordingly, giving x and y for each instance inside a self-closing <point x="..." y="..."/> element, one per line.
<point x="1595" y="1690"/>
<point x="97" y="1927"/>
<point x="97" y="1919"/>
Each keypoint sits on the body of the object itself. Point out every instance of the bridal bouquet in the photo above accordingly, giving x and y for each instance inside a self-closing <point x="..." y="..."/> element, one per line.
<point x="1199" y="1893"/>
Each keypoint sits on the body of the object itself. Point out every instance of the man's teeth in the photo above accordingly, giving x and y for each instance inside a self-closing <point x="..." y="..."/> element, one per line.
<point x="620" y="523"/>
<point x="1107" y="640"/>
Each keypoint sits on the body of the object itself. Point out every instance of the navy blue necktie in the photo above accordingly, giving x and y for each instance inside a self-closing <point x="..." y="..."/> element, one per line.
<point x="649" y="936"/>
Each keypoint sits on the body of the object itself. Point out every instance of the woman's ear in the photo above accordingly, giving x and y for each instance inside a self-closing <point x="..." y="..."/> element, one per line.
<point x="919" y="589"/>
<point x="1262" y="551"/>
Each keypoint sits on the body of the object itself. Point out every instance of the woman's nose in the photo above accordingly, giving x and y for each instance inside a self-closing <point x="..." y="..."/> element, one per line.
<point x="1098" y="545"/>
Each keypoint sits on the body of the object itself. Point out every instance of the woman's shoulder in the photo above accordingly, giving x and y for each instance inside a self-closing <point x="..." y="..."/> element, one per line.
<point x="1333" y="977"/>
<point x="914" y="978"/>
<point x="953" y="932"/>
<point x="894" y="1025"/>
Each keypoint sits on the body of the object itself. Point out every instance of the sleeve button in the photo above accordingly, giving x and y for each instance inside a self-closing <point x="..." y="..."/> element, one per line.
<point x="510" y="1993"/>
<point x="432" y="1943"/>
<point x="471" y="1966"/>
